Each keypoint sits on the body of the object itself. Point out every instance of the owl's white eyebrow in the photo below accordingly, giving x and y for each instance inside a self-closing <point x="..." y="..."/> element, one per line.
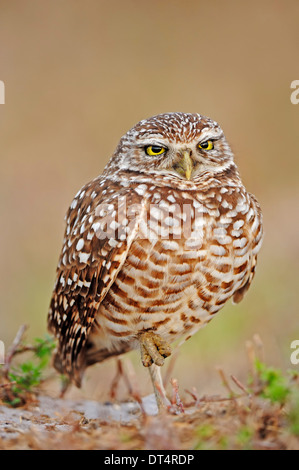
<point x="210" y="135"/>
<point x="152" y="142"/>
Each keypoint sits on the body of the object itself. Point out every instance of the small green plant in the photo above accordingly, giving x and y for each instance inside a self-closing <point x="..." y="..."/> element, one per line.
<point x="244" y="437"/>
<point x="204" y="433"/>
<point x="272" y="383"/>
<point x="24" y="377"/>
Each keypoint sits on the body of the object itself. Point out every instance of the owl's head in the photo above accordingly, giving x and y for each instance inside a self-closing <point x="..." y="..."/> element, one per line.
<point x="183" y="146"/>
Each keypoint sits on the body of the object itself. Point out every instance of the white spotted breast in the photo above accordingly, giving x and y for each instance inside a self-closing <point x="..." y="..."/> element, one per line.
<point x="193" y="251"/>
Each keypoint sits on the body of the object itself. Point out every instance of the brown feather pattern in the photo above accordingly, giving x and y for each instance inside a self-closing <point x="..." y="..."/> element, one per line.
<point x="148" y="250"/>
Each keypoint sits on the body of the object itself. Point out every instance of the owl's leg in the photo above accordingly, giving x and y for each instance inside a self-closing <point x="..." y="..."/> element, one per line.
<point x="160" y="392"/>
<point x="153" y="352"/>
<point x="115" y="382"/>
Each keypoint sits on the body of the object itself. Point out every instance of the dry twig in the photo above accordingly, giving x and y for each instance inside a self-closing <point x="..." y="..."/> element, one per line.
<point x="13" y="350"/>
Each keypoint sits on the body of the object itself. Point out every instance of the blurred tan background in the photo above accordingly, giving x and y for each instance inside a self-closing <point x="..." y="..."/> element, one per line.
<point x="78" y="74"/>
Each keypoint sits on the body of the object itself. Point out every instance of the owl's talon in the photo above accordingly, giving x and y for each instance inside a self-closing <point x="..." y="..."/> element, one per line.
<point x="153" y="349"/>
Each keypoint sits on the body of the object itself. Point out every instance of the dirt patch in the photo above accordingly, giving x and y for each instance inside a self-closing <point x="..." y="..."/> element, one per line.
<point x="53" y="423"/>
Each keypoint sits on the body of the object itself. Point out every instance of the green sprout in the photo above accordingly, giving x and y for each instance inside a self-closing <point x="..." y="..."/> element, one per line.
<point x="29" y="374"/>
<point x="274" y="386"/>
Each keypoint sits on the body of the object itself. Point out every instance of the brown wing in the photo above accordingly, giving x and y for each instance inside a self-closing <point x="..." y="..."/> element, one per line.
<point x="253" y="231"/>
<point x="101" y="224"/>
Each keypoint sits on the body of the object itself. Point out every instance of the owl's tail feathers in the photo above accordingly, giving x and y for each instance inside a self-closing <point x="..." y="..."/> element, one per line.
<point x="74" y="374"/>
<point x="94" y="354"/>
<point x="88" y="356"/>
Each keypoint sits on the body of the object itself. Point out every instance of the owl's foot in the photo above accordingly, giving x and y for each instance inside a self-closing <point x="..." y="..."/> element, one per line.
<point x="153" y="352"/>
<point x="154" y="349"/>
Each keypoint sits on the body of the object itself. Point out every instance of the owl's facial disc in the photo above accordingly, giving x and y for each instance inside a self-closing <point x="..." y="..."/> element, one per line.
<point x="177" y="146"/>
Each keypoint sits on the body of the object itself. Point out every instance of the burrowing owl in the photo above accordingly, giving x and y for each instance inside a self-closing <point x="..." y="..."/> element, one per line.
<point x="154" y="246"/>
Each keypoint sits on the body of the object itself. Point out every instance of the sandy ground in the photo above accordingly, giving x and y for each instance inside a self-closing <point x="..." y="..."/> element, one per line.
<point x="54" y="423"/>
<point x="47" y="411"/>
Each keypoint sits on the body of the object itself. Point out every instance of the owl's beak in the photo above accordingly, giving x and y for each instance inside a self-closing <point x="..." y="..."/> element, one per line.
<point x="185" y="165"/>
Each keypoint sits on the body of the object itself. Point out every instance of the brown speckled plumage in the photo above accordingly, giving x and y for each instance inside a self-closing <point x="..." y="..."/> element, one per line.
<point x="147" y="249"/>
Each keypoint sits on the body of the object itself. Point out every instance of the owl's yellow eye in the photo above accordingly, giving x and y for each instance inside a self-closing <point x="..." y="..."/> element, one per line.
<point x="154" y="150"/>
<point x="207" y="145"/>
